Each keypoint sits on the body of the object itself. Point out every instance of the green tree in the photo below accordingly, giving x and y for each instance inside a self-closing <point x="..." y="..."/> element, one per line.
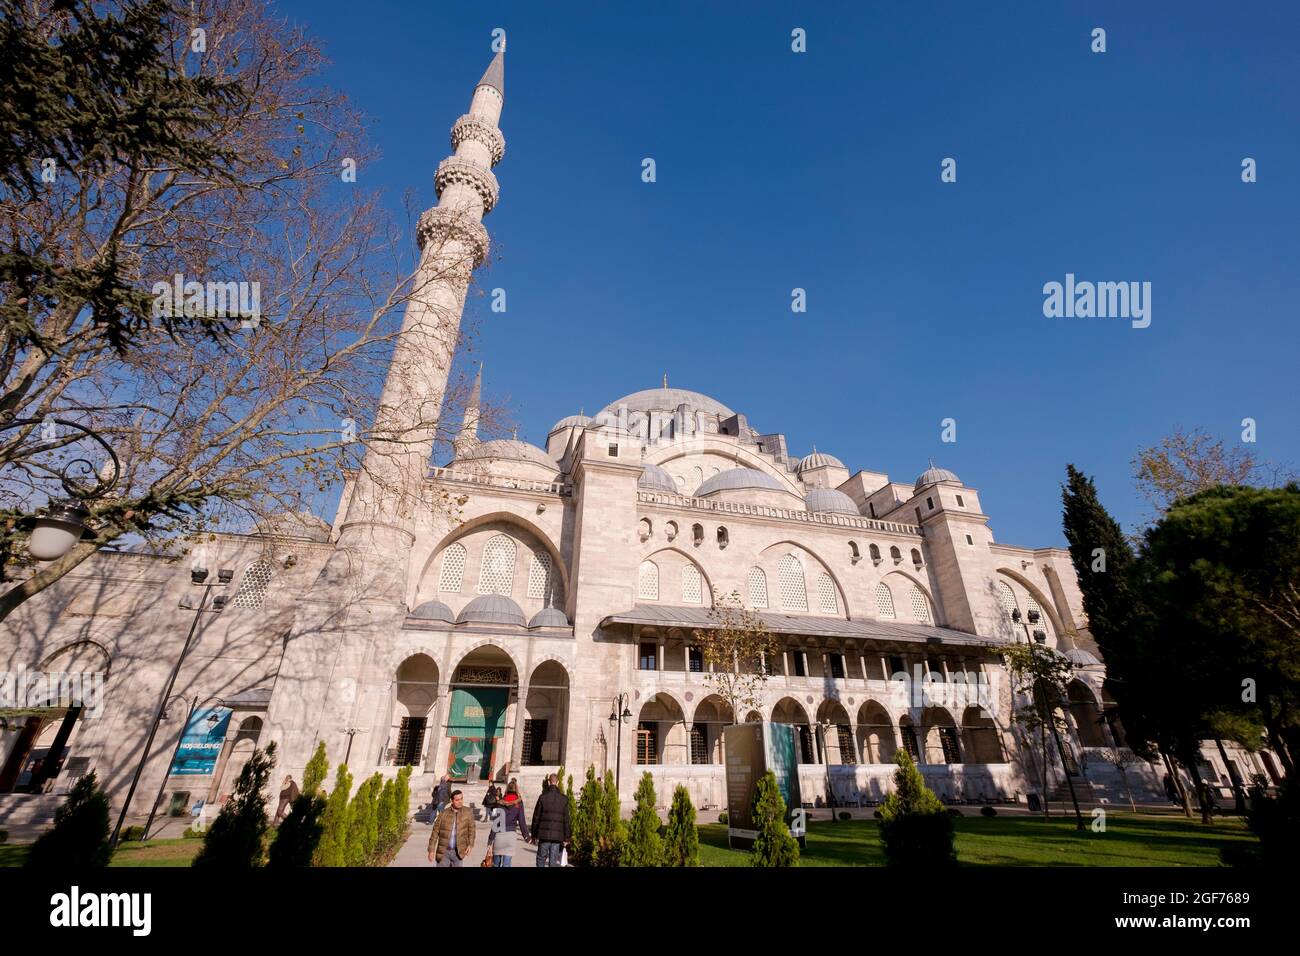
<point x="612" y="841"/>
<point x="318" y="769"/>
<point x="79" y="837"/>
<point x="332" y="848"/>
<point x="298" y="834"/>
<point x="386" y="818"/>
<point x="363" y="823"/>
<point x="644" y="845"/>
<point x="915" y="827"/>
<point x="586" y="820"/>
<point x="681" y="838"/>
<point x="736" y="646"/>
<point x="774" y="845"/>
<point x="237" y="838"/>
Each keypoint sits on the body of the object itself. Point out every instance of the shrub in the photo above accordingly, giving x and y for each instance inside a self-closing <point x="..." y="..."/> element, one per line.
<point x="987" y="811"/>
<point x="299" y="833"/>
<point x="192" y="834"/>
<point x="4" y="836"/>
<point x="954" y="812"/>
<point x="774" y="846"/>
<point x="363" y="823"/>
<point x="236" y="839"/>
<point x="876" y="814"/>
<point x="1276" y="821"/>
<point x="79" y="837"/>
<point x="845" y="815"/>
<point x="318" y="769"/>
<point x="644" y="845"/>
<point x="133" y="833"/>
<point x="722" y="817"/>
<point x="332" y="848"/>
<point x="915" y="827"/>
<point x="681" y="839"/>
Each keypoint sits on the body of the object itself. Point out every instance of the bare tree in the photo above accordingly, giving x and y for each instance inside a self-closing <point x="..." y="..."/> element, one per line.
<point x="1185" y="462"/>
<point x="736" y="649"/>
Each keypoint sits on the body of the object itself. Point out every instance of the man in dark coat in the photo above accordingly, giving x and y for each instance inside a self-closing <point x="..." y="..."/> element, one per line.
<point x="551" y="823"/>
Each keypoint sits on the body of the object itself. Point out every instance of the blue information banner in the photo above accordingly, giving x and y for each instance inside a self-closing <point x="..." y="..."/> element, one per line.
<point x="202" y="741"/>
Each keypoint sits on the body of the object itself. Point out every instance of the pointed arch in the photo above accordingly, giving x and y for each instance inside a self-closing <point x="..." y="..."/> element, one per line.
<point x="496" y="573"/>
<point x="757" y="585"/>
<point x="452" y="576"/>
<point x="647" y="581"/>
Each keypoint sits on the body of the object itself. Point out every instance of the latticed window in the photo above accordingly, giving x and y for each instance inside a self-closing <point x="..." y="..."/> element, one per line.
<point x="647" y="581"/>
<point x="846" y="744"/>
<point x="699" y="744"/>
<point x="794" y="592"/>
<point x="920" y="606"/>
<point x="1007" y="597"/>
<point x="497" y="574"/>
<point x="884" y="602"/>
<point x="647" y="742"/>
<point x="539" y="575"/>
<point x="453" y="568"/>
<point x="908" y="733"/>
<point x="690" y="584"/>
<point x="826" y="594"/>
<point x="1032" y="606"/>
<point x="948" y="741"/>
<point x="757" y="588"/>
<point x="252" y="589"/>
<point x="694" y="660"/>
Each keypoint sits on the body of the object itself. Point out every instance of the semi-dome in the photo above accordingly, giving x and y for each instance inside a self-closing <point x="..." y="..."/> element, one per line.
<point x="735" y="479"/>
<point x="549" y="617"/>
<point x="828" y="499"/>
<point x="656" y="479"/>
<point x="572" y="421"/>
<point x="819" y="459"/>
<point x="491" y="609"/>
<point x="433" y="611"/>
<point x="667" y="400"/>
<point x="934" y="475"/>
<point x="510" y="449"/>
<point x="1081" y="658"/>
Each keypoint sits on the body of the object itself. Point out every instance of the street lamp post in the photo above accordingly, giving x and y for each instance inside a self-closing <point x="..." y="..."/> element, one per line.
<point x="619" y="715"/>
<point x="198" y="576"/>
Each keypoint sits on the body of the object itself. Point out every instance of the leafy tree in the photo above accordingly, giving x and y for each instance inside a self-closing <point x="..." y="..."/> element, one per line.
<point x="236" y="838"/>
<point x="318" y="769"/>
<point x="386" y="818"/>
<point x="681" y="839"/>
<point x="644" y="845"/>
<point x="915" y="827"/>
<point x="774" y="846"/>
<point x="612" y="841"/>
<point x="587" y="820"/>
<point x="299" y="833"/>
<point x="1187" y="462"/>
<point x="79" y="838"/>
<point x="736" y="648"/>
<point x="332" y="848"/>
<point x="363" y="823"/>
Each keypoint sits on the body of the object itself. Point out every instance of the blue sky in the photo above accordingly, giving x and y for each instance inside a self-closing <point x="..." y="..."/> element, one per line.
<point x="821" y="170"/>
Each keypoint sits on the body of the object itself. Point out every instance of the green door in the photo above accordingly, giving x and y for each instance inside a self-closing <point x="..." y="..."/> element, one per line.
<point x="475" y="726"/>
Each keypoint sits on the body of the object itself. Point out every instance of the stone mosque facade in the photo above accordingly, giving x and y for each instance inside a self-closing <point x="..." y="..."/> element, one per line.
<point x="563" y="587"/>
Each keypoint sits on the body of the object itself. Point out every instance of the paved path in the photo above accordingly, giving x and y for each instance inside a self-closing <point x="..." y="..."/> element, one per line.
<point x="415" y="851"/>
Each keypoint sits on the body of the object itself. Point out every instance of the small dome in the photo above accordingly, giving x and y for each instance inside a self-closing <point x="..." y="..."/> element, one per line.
<point x="828" y="499"/>
<point x="573" y="421"/>
<point x="933" y="475"/>
<point x="295" y="524"/>
<point x="819" y="459"/>
<point x="491" y="609"/>
<point x="511" y="449"/>
<point x="656" y="478"/>
<point x="667" y="400"/>
<point x="1081" y="658"/>
<point x="737" y="478"/>
<point x="433" y="611"/>
<point x="549" y="617"/>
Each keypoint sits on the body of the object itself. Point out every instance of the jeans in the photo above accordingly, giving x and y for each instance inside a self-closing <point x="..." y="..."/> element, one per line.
<point x="450" y="858"/>
<point x="500" y="861"/>
<point x="548" y="854"/>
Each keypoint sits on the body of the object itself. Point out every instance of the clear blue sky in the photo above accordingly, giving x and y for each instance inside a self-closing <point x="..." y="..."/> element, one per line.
<point x="821" y="170"/>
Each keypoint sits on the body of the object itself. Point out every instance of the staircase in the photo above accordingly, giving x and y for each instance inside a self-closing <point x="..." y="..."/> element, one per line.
<point x="1060" y="795"/>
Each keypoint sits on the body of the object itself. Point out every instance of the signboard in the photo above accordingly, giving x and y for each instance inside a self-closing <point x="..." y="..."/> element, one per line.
<point x="201" y="742"/>
<point x="475" y="725"/>
<point x="750" y="750"/>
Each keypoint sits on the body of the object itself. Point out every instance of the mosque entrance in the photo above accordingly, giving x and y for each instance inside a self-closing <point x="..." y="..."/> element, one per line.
<point x="476" y="721"/>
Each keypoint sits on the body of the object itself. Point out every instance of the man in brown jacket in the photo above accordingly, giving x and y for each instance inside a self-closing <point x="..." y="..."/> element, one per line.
<point x="452" y="838"/>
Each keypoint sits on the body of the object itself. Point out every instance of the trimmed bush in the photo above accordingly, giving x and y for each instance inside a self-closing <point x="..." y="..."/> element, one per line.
<point x="318" y="769"/>
<point x="774" y="846"/>
<point x="644" y="845"/>
<point x="681" y="839"/>
<point x="987" y="811"/>
<point x="363" y="823"/>
<point x="237" y="838"/>
<point x="132" y="833"/>
<point x="79" y="838"/>
<point x="845" y="815"/>
<point x="298" y="834"/>
<point x="916" y="829"/>
<point x="332" y="848"/>
<point x="722" y="817"/>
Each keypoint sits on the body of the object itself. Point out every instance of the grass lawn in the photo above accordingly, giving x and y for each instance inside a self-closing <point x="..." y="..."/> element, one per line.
<point x="152" y="853"/>
<point x="1129" y="840"/>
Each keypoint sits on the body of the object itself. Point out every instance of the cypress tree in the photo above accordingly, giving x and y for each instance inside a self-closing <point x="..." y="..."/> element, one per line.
<point x="318" y="769"/>
<point x="644" y="845"/>
<point x="79" y="838"/>
<point x="589" y="805"/>
<point x="682" y="839"/>
<point x="386" y="818"/>
<point x="298" y="834"/>
<point x="333" y="842"/>
<point x="363" y="823"/>
<point x="1103" y="561"/>
<point x="915" y="827"/>
<point x="613" y="831"/>
<point x="774" y="846"/>
<point x="236" y="838"/>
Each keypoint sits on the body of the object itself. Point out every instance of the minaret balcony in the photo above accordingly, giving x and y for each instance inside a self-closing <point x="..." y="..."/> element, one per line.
<point x="454" y="171"/>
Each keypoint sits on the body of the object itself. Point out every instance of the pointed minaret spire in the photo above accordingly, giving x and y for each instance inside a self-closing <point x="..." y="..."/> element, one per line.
<point x="468" y="436"/>
<point x="495" y="75"/>
<point x="665" y="379"/>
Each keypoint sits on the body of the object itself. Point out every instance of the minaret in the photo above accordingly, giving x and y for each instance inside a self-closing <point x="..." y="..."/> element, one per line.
<point x="388" y="490"/>
<point x="468" y="436"/>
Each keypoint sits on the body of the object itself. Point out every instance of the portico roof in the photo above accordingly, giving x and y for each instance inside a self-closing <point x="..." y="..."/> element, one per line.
<point x="662" y="615"/>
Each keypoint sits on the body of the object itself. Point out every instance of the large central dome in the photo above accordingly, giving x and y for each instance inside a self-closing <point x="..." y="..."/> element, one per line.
<point x="667" y="400"/>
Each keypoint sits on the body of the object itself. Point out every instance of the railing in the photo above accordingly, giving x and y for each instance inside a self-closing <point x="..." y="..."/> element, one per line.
<point x="764" y="511"/>
<point x="562" y="488"/>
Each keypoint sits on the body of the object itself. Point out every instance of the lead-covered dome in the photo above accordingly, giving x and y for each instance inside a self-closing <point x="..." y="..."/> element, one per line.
<point x="819" y="459"/>
<point x="549" y="617"/>
<point x="491" y="609"/>
<point x="656" y="479"/>
<point x="735" y="479"/>
<point x="572" y="421"/>
<point x="667" y="400"/>
<point x="828" y="499"/>
<point x="934" y="475"/>
<point x="509" y="449"/>
<point x="1081" y="658"/>
<point x="433" y="611"/>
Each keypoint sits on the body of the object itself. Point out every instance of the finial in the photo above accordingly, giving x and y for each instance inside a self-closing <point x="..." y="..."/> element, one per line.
<point x="665" y="379"/>
<point x="514" y="433"/>
<point x="931" y="461"/>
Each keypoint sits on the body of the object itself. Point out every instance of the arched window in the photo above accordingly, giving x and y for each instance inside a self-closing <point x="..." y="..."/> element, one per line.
<point x="920" y="606"/>
<point x="647" y="581"/>
<point x="757" y="588"/>
<point x="643" y="529"/>
<point x="723" y="537"/>
<point x="916" y="558"/>
<point x="826" y="594"/>
<point x="539" y="575"/>
<point x="453" y="568"/>
<point x="1007" y="597"/>
<point x="697" y="534"/>
<point x="252" y="589"/>
<point x="884" y="602"/>
<point x="895" y="554"/>
<point x="497" y="572"/>
<point x="874" y="551"/>
<point x="854" y="554"/>
<point x="690" y="584"/>
<point x="794" y="592"/>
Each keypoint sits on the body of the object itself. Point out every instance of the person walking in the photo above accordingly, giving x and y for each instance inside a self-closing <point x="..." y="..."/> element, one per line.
<point x="289" y="792"/>
<point x="490" y="800"/>
<point x="507" y="817"/>
<point x="441" y="796"/>
<point x="452" y="838"/>
<point x="551" y="823"/>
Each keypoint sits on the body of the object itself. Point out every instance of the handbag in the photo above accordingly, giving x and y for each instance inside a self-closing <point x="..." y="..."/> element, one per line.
<point x="487" y="860"/>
